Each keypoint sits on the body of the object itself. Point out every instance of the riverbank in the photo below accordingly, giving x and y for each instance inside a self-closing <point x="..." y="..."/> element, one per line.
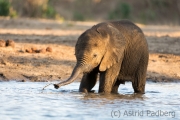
<point x="17" y="64"/>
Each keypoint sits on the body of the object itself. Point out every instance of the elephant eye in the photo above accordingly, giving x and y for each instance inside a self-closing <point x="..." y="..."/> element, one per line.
<point x="95" y="44"/>
<point x="95" y="55"/>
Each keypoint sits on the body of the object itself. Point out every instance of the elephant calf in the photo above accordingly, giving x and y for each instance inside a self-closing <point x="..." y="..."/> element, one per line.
<point x="117" y="50"/>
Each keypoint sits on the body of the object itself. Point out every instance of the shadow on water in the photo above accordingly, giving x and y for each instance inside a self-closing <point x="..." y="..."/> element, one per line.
<point x="113" y="97"/>
<point x="92" y="96"/>
<point x="95" y="95"/>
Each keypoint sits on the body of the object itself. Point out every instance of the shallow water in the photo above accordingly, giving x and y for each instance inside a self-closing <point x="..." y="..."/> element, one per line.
<point x="27" y="101"/>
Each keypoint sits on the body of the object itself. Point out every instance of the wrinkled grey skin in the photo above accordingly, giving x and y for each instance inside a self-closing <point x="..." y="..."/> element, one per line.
<point x="117" y="50"/>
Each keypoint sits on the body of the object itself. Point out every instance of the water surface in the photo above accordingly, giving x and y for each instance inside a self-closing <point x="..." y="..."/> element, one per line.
<point x="27" y="101"/>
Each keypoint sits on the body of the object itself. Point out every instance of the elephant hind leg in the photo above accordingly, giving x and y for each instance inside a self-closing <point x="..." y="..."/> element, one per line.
<point x="116" y="85"/>
<point x="139" y="79"/>
<point x="88" y="81"/>
<point x="139" y="82"/>
<point x="139" y="89"/>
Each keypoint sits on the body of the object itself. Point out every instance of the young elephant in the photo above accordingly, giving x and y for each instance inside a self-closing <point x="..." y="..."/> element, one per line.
<point x="117" y="50"/>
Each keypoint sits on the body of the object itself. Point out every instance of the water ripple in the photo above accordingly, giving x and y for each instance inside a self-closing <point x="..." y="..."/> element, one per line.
<point x="26" y="100"/>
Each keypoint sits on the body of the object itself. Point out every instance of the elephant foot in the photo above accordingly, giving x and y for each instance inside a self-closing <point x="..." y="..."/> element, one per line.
<point x="86" y="91"/>
<point x="56" y="86"/>
<point x="83" y="90"/>
<point x="92" y="91"/>
<point x="139" y="91"/>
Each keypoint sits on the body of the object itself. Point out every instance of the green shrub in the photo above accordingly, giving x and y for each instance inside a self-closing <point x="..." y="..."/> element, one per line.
<point x="4" y="7"/>
<point x="12" y="13"/>
<point x="147" y="16"/>
<point x="78" y="16"/>
<point x="39" y="9"/>
<point x="161" y="3"/>
<point x="122" y="10"/>
<point x="49" y="12"/>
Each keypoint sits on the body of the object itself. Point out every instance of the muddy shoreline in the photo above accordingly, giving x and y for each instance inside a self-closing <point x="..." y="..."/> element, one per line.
<point x="19" y="65"/>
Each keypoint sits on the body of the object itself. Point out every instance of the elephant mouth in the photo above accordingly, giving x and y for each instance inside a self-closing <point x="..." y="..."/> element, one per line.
<point x="87" y="68"/>
<point x="90" y="68"/>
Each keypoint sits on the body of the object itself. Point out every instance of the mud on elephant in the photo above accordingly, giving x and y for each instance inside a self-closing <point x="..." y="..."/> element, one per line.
<point x="117" y="50"/>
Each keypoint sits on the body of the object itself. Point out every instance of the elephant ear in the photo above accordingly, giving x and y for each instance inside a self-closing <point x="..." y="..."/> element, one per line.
<point x="115" y="46"/>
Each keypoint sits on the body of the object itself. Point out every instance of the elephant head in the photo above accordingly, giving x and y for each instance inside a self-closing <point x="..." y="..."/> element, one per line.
<point x="101" y="46"/>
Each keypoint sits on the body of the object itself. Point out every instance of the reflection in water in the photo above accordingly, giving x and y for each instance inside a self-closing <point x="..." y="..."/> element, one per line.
<point x="28" y="101"/>
<point x="109" y="97"/>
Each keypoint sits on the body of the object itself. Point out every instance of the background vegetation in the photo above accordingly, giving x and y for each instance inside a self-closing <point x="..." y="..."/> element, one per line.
<point x="143" y="11"/>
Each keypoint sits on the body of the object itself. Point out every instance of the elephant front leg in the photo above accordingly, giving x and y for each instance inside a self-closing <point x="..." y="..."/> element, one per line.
<point x="108" y="79"/>
<point x="88" y="81"/>
<point x="116" y="85"/>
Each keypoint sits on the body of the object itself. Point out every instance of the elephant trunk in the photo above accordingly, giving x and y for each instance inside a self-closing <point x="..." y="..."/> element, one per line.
<point x="77" y="70"/>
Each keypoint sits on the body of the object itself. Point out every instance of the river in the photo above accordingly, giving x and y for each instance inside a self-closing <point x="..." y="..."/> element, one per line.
<point x="27" y="101"/>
